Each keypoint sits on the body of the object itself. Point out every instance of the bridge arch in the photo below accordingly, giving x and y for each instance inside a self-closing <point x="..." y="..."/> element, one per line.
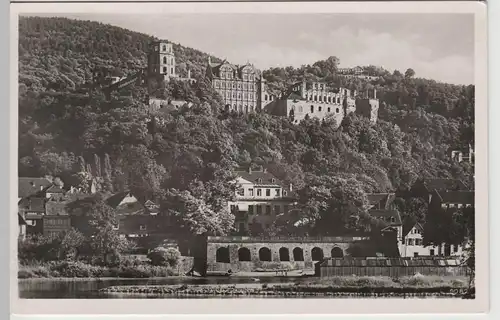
<point x="222" y="255"/>
<point x="337" y="252"/>
<point x="317" y="254"/>
<point x="284" y="254"/>
<point x="298" y="254"/>
<point x="244" y="254"/>
<point x="265" y="254"/>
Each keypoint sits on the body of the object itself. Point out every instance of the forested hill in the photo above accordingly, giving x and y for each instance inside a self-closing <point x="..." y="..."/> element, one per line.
<point x="185" y="159"/>
<point x="58" y="53"/>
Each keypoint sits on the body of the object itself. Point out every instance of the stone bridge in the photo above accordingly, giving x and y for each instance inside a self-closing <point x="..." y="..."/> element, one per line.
<point x="259" y="254"/>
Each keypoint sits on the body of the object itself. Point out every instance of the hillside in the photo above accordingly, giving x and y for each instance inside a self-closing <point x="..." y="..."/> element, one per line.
<point x="58" y="53"/>
<point x="186" y="158"/>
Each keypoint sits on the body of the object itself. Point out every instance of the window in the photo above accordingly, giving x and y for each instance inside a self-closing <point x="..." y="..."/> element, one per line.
<point x="250" y="209"/>
<point x="328" y="109"/>
<point x="415" y="254"/>
<point x="459" y="205"/>
<point x="277" y="209"/>
<point x="250" y="191"/>
<point x="455" y="248"/>
<point x="337" y="110"/>
<point x="284" y="191"/>
<point x="277" y="192"/>
<point x="164" y="69"/>
<point x="432" y="252"/>
<point x="164" y="48"/>
<point x="265" y="97"/>
<point x="443" y="205"/>
<point x="234" y="208"/>
<point x="268" y="192"/>
<point x="239" y="95"/>
<point x="259" y="192"/>
<point x="312" y="109"/>
<point x="142" y="227"/>
<point x="411" y="242"/>
<point x="234" y="85"/>
<point x="418" y="242"/>
<point x="268" y="210"/>
<point x="172" y="70"/>
<point x="240" y="192"/>
<point x="468" y="205"/>
<point x="259" y="209"/>
<point x="452" y="205"/>
<point x="165" y="60"/>
<point x="319" y="109"/>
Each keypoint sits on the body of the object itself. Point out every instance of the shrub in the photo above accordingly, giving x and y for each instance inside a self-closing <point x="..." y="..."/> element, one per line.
<point x="164" y="256"/>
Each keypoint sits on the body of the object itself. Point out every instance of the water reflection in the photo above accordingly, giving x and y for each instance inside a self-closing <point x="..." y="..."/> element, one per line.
<point x="89" y="288"/>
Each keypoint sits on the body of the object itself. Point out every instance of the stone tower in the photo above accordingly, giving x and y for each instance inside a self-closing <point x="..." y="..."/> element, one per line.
<point x="161" y="59"/>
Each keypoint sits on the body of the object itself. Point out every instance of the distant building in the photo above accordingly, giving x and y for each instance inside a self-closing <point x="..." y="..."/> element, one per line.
<point x="413" y="243"/>
<point x="260" y="199"/>
<point x="241" y="88"/>
<point x="463" y="154"/>
<point x="424" y="188"/>
<point x="28" y="186"/>
<point x="318" y="100"/>
<point x="161" y="62"/>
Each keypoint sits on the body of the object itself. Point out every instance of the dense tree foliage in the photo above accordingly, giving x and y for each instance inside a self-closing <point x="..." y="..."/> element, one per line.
<point x="185" y="158"/>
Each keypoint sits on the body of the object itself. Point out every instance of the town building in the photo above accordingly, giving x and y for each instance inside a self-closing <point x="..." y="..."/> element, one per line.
<point x="463" y="154"/>
<point x="317" y="100"/>
<point x="413" y="244"/>
<point x="29" y="186"/>
<point x="241" y="88"/>
<point x="424" y="188"/>
<point x="162" y="64"/>
<point x="261" y="198"/>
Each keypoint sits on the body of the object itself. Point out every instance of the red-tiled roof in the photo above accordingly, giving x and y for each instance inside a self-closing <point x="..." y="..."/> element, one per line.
<point x="31" y="186"/>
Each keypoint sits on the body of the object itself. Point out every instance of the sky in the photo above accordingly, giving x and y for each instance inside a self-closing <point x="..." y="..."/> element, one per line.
<point x="436" y="46"/>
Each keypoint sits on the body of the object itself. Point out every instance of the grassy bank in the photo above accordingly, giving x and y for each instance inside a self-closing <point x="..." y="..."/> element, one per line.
<point x="66" y="269"/>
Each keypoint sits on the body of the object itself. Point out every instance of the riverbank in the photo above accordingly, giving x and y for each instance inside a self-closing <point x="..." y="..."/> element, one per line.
<point x="70" y="269"/>
<point x="289" y="290"/>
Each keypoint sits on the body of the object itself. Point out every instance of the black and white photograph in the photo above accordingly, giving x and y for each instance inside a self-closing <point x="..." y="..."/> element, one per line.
<point x="211" y="155"/>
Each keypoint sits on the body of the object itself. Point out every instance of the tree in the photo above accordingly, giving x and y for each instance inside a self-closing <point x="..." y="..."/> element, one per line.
<point x="161" y="256"/>
<point x="409" y="73"/>
<point x="107" y="173"/>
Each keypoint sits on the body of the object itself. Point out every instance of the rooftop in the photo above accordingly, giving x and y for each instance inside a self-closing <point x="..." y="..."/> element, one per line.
<point x="31" y="186"/>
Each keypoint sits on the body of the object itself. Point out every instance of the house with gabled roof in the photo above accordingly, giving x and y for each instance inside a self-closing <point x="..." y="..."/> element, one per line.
<point x="260" y="198"/>
<point x="30" y="186"/>
<point x="424" y="188"/>
<point x="413" y="243"/>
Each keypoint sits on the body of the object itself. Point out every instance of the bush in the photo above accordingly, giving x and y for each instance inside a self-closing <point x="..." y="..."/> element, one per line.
<point x="164" y="257"/>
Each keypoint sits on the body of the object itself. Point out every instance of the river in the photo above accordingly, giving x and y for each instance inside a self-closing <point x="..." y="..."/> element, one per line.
<point x="89" y="288"/>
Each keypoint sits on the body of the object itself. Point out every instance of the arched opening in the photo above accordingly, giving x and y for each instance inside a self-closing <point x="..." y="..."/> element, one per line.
<point x="337" y="253"/>
<point x="298" y="254"/>
<point x="284" y="254"/>
<point x="222" y="255"/>
<point x="265" y="254"/>
<point x="244" y="254"/>
<point x="165" y="60"/>
<point x="317" y="254"/>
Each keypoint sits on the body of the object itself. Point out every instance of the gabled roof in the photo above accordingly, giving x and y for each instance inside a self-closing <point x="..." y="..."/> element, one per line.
<point x="293" y="96"/>
<point x="130" y="208"/>
<point x="259" y="177"/>
<point x="464" y="197"/>
<point x="34" y="204"/>
<point x="408" y="224"/>
<point x="381" y="200"/>
<point x="55" y="189"/>
<point x="386" y="216"/>
<point x="444" y="185"/>
<point x="31" y="186"/>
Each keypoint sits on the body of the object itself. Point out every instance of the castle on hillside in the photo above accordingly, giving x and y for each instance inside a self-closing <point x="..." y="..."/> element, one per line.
<point x="161" y="62"/>
<point x="318" y="100"/>
<point x="242" y="88"/>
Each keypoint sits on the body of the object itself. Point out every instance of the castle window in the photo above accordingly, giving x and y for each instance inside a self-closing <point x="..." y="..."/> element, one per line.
<point x="235" y="108"/>
<point x="315" y="98"/>
<point x="265" y="97"/>
<point x="319" y="109"/>
<point x="234" y="85"/>
<point x="165" y="60"/>
<point x="164" y="48"/>
<point x="259" y="192"/>
<point x="172" y="70"/>
<point x="239" y="85"/>
<point x="268" y="192"/>
<point x="216" y="83"/>
<point x="164" y="69"/>
<point x="234" y="94"/>
<point x="337" y="110"/>
<point x="277" y="192"/>
<point x="239" y="95"/>
<point x="328" y="109"/>
<point x="312" y="109"/>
